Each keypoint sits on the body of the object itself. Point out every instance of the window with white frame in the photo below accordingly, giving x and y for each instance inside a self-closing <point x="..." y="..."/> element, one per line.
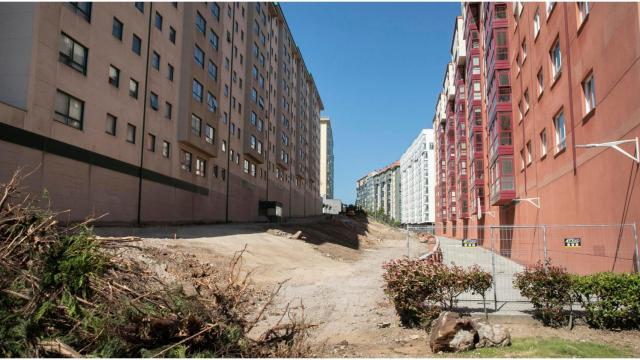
<point x="550" y="6"/>
<point x="583" y="8"/>
<point x="556" y="59"/>
<point x="536" y="23"/>
<point x="543" y="143"/>
<point x="589" y="92"/>
<point x="561" y="135"/>
<point x="201" y="167"/>
<point x="540" y="77"/>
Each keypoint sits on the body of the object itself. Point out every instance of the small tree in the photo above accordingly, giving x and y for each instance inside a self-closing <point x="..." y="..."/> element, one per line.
<point x="549" y="290"/>
<point x="479" y="282"/>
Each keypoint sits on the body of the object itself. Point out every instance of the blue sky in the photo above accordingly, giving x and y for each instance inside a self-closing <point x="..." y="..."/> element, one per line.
<point x="379" y="68"/>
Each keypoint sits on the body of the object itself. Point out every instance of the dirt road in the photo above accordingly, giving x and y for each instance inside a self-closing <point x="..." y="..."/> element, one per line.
<point x="334" y="270"/>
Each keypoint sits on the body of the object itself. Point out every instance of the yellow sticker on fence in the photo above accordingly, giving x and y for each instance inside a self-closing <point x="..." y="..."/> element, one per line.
<point x="572" y="242"/>
<point x="470" y="243"/>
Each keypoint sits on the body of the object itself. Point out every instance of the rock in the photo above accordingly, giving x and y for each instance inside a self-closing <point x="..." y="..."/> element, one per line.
<point x="463" y="340"/>
<point x="296" y="236"/>
<point x="491" y="335"/>
<point x="444" y="330"/>
<point x="383" y="325"/>
<point x="414" y="337"/>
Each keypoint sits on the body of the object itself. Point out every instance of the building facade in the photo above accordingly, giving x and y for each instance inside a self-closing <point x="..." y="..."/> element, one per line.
<point x="549" y="79"/>
<point x="159" y="112"/>
<point x="326" y="158"/>
<point x="380" y="191"/>
<point x="417" y="168"/>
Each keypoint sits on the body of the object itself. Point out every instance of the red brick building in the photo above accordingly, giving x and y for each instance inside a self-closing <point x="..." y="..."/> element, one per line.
<point x="552" y="77"/>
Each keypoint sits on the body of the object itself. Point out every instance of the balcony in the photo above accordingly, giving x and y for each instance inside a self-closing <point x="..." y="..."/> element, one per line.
<point x="458" y="48"/>
<point x="502" y="189"/>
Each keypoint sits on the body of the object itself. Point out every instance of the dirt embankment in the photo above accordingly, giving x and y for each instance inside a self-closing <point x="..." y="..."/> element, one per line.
<point x="332" y="272"/>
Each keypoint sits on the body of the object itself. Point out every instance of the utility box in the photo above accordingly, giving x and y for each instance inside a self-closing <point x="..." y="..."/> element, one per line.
<point x="271" y="209"/>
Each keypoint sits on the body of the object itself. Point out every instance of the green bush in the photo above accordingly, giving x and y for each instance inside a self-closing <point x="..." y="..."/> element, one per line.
<point x="611" y="301"/>
<point x="549" y="290"/>
<point x="421" y="289"/>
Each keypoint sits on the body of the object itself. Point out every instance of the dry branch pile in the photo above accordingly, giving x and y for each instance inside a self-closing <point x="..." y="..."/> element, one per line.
<point x="64" y="292"/>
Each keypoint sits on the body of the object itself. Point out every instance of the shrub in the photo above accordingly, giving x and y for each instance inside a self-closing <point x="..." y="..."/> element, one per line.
<point x="611" y="301"/>
<point x="549" y="290"/>
<point x="421" y="289"/>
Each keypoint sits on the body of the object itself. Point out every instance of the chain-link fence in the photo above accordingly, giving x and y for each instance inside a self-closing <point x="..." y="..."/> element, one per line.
<point x="506" y="250"/>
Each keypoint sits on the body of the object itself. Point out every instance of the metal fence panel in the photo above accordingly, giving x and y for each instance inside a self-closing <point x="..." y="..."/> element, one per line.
<point x="507" y="250"/>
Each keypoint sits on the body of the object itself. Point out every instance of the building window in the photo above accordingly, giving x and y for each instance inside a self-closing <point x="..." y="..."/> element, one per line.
<point x="252" y="118"/>
<point x="117" y="29"/>
<point x="170" y="72"/>
<point x="558" y="123"/>
<point x="112" y="124"/>
<point x="166" y="149"/>
<point x="131" y="133"/>
<point x="589" y="92"/>
<point x="529" y="153"/>
<point x="584" y="7"/>
<point x="155" y="61"/>
<point x="213" y="39"/>
<point x="198" y="55"/>
<point x="543" y="143"/>
<point x="133" y="88"/>
<point x="502" y="51"/>
<point x="550" y="6"/>
<point x="158" y="21"/>
<point x="83" y="9"/>
<point x="524" y="50"/>
<point x="73" y="54"/>
<point x="536" y="23"/>
<point x="69" y="110"/>
<point x="209" y="134"/>
<point x="154" y="101"/>
<point x="212" y="102"/>
<point x="254" y="95"/>
<point x="196" y="125"/>
<point x="246" y="166"/>
<point x="226" y="90"/>
<point x="522" y="161"/>
<point x="540" y="82"/>
<point x="526" y="101"/>
<point x="223" y="146"/>
<point x="556" y="59"/>
<point x="114" y="76"/>
<point x="212" y="70"/>
<point x="151" y="142"/>
<point x="475" y="62"/>
<point x="136" y="45"/>
<point x="168" y="110"/>
<point x="196" y="90"/>
<point x="501" y="12"/>
<point x="253" y="169"/>
<point x="201" y="24"/>
<point x="201" y="167"/>
<point x="185" y="160"/>
<point x="140" y="6"/>
<point x="172" y="34"/>
<point x="253" y="142"/>
<point x="215" y="11"/>
<point x="477" y="95"/>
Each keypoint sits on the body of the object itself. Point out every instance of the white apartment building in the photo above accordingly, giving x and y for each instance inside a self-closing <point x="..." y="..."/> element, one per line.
<point x="326" y="158"/>
<point x="417" y="168"/>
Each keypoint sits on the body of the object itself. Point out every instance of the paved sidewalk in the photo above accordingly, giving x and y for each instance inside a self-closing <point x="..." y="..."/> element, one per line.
<point x="508" y="297"/>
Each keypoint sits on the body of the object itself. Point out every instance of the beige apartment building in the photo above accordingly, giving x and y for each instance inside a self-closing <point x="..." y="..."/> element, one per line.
<point x="326" y="158"/>
<point x="159" y="112"/>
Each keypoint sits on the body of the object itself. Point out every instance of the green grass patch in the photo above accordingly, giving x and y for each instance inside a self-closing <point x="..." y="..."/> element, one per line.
<point x="550" y="348"/>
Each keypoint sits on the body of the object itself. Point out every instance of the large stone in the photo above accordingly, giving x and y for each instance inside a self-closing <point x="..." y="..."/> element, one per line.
<point x="491" y="335"/>
<point x="450" y="333"/>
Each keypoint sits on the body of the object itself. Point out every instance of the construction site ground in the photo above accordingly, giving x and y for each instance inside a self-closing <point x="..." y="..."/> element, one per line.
<point x="332" y="272"/>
